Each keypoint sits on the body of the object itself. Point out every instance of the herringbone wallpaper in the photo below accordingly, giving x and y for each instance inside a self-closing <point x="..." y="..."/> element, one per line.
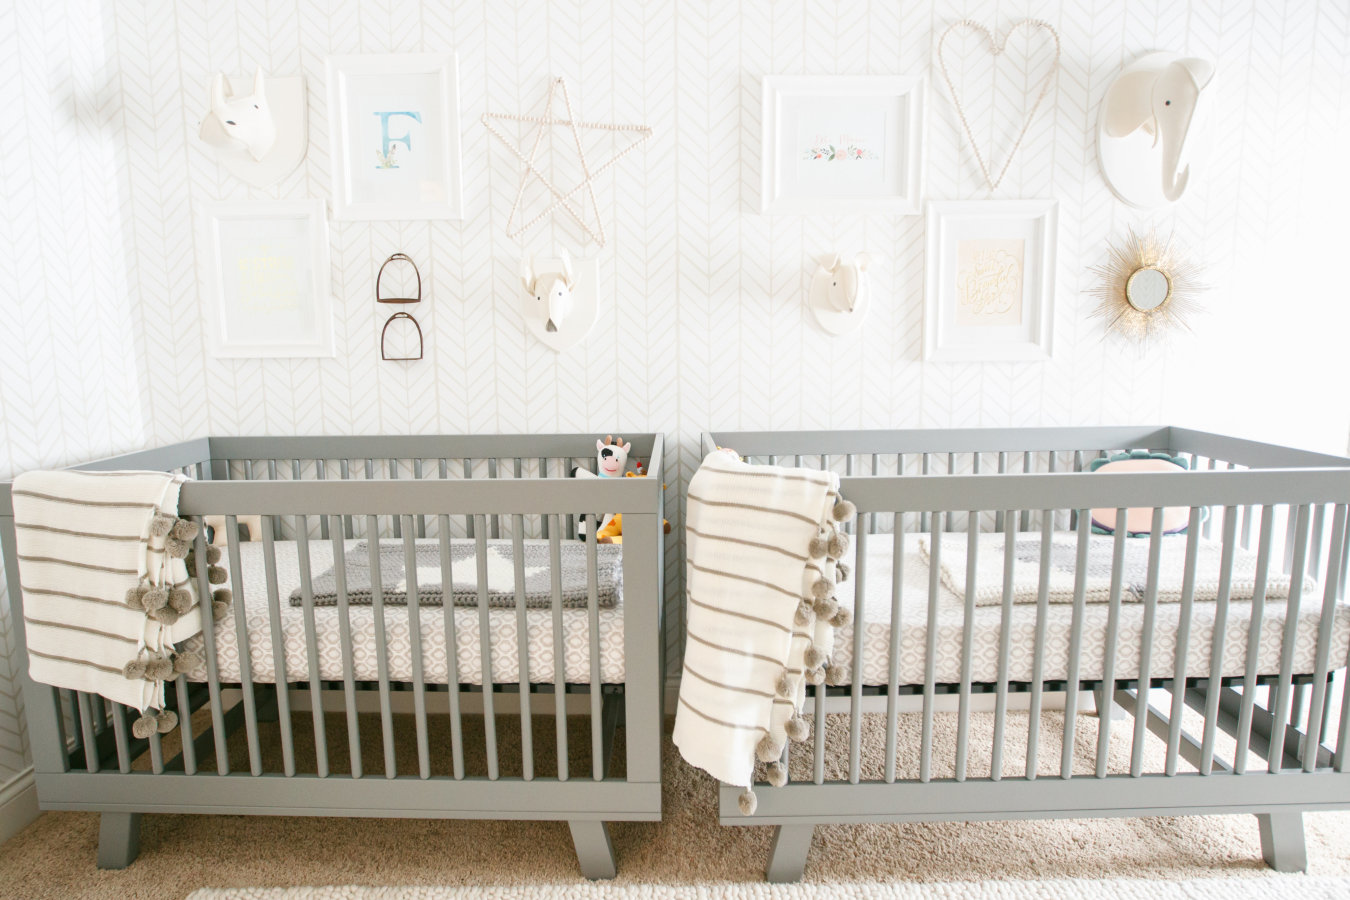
<point x="702" y="321"/>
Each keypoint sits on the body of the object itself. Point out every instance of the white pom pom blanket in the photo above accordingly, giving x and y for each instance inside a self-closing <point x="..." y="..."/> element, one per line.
<point x="93" y="546"/>
<point x="761" y="550"/>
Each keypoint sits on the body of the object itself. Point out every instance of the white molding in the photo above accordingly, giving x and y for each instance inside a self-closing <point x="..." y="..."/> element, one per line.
<point x="18" y="804"/>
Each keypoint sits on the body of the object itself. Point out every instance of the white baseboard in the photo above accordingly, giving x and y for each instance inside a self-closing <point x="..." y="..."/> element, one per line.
<point x="18" y="804"/>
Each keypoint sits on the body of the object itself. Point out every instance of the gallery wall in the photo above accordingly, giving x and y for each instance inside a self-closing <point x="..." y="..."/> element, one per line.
<point x="703" y="322"/>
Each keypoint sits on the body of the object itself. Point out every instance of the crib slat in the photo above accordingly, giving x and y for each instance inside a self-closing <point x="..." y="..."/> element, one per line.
<point x="925" y="465"/>
<point x="1004" y="644"/>
<point x="1249" y="687"/>
<point x="893" y="659"/>
<point x="523" y="646"/>
<point x="1315" y="550"/>
<point x="593" y="623"/>
<point x="242" y="640"/>
<point x="156" y="754"/>
<point x="876" y="469"/>
<point x="396" y="524"/>
<point x="311" y="646"/>
<point x="485" y="645"/>
<point x="1146" y="646"/>
<point x="209" y="646"/>
<point x="345" y="472"/>
<point x="381" y="643"/>
<point x="280" y="684"/>
<point x="859" y="625"/>
<point x="87" y="737"/>
<point x="1106" y="693"/>
<point x="1002" y="469"/>
<point x="321" y="473"/>
<point x="451" y="646"/>
<point x="119" y="721"/>
<point x="930" y="645"/>
<point x="543" y="520"/>
<point x="468" y="519"/>
<point x="421" y="519"/>
<point x="1083" y="520"/>
<point x="1028" y="463"/>
<point x="189" y="751"/>
<point x="821" y="730"/>
<point x="415" y="640"/>
<point x="1283" y="702"/>
<point x="1220" y="634"/>
<point x="272" y="476"/>
<point x="1038" y="657"/>
<point x="1187" y="607"/>
<point x="967" y="644"/>
<point x="559" y="664"/>
<point x="1316" y="712"/>
<point x="345" y="636"/>
<point x="494" y="519"/>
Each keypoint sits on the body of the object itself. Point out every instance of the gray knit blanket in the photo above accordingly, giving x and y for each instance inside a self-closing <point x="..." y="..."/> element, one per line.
<point x="501" y="575"/>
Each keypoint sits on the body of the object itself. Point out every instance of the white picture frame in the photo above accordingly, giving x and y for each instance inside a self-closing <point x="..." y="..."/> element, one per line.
<point x="989" y="282"/>
<point x="394" y="136"/>
<point x="267" y="280"/>
<point x="873" y="123"/>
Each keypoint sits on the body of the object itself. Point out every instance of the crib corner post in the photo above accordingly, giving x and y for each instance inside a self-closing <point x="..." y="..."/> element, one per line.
<point x="1282" y="845"/>
<point x="595" y="853"/>
<point x="119" y="839"/>
<point x="787" y="855"/>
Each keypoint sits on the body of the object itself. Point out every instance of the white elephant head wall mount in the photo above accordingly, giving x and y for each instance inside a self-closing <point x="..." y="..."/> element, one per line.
<point x="840" y="292"/>
<point x="259" y="134"/>
<point x="1147" y="127"/>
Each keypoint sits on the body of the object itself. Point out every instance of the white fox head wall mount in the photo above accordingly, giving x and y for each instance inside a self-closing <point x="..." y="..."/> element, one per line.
<point x="258" y="133"/>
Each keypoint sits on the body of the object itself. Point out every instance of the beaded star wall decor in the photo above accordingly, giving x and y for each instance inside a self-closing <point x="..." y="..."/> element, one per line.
<point x="562" y="199"/>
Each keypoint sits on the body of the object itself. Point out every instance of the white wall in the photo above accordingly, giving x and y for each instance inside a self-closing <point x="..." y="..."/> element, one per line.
<point x="704" y="324"/>
<point x="68" y="388"/>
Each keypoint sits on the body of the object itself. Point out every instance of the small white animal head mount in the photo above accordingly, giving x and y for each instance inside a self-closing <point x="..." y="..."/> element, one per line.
<point x="243" y="122"/>
<point x="847" y="281"/>
<point x="612" y="456"/>
<point x="1154" y="97"/>
<point x="552" y="290"/>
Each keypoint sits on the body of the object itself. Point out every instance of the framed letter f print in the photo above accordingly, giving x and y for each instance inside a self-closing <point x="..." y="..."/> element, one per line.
<point x="989" y="280"/>
<point x="393" y="122"/>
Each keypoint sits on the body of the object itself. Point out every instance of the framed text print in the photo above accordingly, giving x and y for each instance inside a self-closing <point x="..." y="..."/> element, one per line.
<point x="842" y="144"/>
<point x="394" y="133"/>
<point x="989" y="280"/>
<point x="267" y="279"/>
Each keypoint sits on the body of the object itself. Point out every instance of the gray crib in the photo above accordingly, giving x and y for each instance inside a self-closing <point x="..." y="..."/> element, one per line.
<point x="289" y="663"/>
<point x="1230" y="704"/>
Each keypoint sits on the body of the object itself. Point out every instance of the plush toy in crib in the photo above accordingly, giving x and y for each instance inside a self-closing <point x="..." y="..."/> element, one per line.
<point x="611" y="461"/>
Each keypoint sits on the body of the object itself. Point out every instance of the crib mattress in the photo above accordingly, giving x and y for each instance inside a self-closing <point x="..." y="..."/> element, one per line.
<point x="502" y="634"/>
<point x="987" y="628"/>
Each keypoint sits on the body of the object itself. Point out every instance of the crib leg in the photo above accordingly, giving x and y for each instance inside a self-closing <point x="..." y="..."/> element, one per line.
<point x="1104" y="703"/>
<point x="1282" y="844"/>
<point x="787" y="856"/>
<point x="594" y="851"/>
<point x="119" y="839"/>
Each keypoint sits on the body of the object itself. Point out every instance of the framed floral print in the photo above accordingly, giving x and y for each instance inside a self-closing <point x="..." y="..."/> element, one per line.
<point x="394" y="135"/>
<point x="842" y="143"/>
<point x="989" y="281"/>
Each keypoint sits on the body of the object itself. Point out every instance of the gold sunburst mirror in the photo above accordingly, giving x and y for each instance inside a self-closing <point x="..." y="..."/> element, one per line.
<point x="1146" y="288"/>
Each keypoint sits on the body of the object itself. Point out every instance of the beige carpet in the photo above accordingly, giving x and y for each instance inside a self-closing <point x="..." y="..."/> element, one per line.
<point x="54" y="858"/>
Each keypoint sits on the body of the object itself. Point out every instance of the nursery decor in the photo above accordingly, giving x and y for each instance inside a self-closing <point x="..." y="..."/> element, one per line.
<point x="259" y="136"/>
<point x="1038" y="31"/>
<point x="379" y="280"/>
<point x="1146" y="288"/>
<point x="407" y="332"/>
<point x="394" y="132"/>
<point x="989" y="280"/>
<point x="266" y="279"/>
<point x="840" y="293"/>
<point x="848" y="143"/>
<point x="562" y="199"/>
<point x="561" y="298"/>
<point x="1149" y="121"/>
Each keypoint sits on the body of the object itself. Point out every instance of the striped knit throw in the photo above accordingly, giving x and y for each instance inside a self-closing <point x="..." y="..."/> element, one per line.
<point x="762" y="545"/>
<point x="106" y="590"/>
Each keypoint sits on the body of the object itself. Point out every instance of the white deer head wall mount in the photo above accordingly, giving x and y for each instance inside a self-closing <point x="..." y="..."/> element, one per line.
<point x="840" y="292"/>
<point x="560" y="297"/>
<point x="259" y="136"/>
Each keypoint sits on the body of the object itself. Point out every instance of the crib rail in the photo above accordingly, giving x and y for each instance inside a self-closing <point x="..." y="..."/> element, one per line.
<point x="1033" y="582"/>
<point x="241" y="743"/>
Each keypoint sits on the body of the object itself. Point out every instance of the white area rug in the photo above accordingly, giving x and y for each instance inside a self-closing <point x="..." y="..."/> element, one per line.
<point x="1286" y="887"/>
